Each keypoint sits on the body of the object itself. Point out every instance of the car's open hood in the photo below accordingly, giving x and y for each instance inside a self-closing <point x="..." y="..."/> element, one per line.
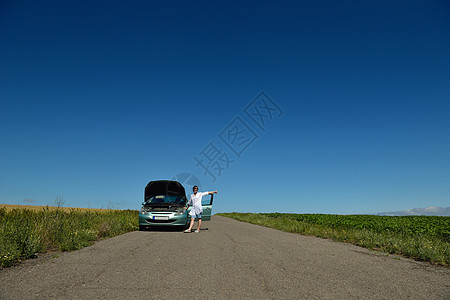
<point x="164" y="187"/>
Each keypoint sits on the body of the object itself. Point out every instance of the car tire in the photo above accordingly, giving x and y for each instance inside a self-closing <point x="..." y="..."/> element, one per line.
<point x="142" y="228"/>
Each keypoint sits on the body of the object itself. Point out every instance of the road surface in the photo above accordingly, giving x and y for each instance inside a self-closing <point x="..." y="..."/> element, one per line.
<point x="229" y="260"/>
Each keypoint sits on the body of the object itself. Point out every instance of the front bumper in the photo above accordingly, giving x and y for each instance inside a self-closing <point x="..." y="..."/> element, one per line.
<point x="162" y="219"/>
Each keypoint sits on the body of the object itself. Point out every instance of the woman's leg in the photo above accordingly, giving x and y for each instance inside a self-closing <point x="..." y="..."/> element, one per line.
<point x="192" y="224"/>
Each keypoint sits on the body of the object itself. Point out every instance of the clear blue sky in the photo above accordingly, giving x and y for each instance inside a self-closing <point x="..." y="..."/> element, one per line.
<point x="97" y="98"/>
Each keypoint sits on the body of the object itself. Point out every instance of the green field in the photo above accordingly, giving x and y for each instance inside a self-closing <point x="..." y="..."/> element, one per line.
<point x="25" y="232"/>
<point x="425" y="238"/>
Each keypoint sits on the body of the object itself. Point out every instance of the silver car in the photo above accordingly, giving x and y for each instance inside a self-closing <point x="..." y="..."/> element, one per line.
<point x="164" y="205"/>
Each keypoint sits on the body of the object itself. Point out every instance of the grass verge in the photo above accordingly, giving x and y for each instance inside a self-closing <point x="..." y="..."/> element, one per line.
<point x="418" y="237"/>
<point x="26" y="232"/>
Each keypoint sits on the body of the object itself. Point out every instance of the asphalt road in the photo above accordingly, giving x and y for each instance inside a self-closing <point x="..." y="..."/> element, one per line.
<point x="229" y="260"/>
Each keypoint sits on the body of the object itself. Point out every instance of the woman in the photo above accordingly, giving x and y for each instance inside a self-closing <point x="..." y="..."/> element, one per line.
<point x="197" y="209"/>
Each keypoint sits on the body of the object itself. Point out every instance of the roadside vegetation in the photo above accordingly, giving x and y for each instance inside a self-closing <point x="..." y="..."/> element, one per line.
<point x="24" y="232"/>
<point x="425" y="238"/>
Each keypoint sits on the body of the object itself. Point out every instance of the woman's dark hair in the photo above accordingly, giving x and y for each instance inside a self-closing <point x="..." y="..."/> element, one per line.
<point x="193" y="188"/>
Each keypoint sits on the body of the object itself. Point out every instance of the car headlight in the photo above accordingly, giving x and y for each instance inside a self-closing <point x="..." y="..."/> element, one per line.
<point x="180" y="211"/>
<point x="143" y="211"/>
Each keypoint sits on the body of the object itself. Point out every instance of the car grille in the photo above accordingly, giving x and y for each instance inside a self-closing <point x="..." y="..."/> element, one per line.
<point x="159" y="221"/>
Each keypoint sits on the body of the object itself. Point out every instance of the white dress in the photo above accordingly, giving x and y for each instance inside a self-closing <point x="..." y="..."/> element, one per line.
<point x="196" y="203"/>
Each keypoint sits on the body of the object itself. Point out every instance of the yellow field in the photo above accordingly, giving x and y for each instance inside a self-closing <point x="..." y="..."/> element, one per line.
<point x="35" y="207"/>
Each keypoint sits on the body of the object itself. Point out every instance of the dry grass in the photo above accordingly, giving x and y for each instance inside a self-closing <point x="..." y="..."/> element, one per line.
<point x="26" y="230"/>
<point x="10" y="207"/>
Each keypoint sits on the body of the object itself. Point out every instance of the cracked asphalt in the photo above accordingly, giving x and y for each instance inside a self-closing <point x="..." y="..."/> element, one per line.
<point x="229" y="260"/>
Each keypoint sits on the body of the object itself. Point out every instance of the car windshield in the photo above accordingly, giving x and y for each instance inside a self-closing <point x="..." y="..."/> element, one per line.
<point x="165" y="199"/>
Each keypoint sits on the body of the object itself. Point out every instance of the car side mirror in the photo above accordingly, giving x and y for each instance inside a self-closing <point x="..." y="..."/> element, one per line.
<point x="143" y="203"/>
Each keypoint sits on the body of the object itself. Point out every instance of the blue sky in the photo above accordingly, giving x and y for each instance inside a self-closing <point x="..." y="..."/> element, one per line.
<point x="97" y="98"/>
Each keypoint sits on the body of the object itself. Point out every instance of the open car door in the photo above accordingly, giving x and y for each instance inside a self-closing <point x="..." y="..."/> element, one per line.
<point x="207" y="202"/>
